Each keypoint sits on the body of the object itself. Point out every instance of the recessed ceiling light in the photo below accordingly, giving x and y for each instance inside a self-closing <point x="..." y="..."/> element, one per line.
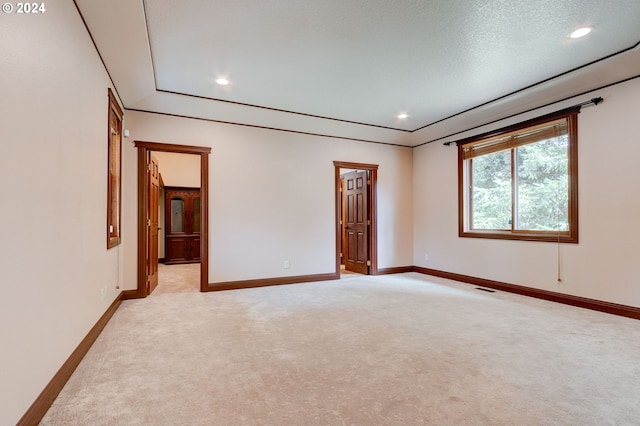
<point x="222" y="81"/>
<point x="580" y="32"/>
<point x="403" y="115"/>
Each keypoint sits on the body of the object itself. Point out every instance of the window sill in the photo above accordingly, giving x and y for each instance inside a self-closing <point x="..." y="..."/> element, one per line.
<point x="550" y="237"/>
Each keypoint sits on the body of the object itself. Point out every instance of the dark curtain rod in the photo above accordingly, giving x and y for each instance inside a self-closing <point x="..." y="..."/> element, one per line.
<point x="592" y="101"/>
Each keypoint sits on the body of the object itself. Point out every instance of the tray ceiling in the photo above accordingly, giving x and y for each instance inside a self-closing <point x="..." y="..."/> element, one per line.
<point x="294" y="62"/>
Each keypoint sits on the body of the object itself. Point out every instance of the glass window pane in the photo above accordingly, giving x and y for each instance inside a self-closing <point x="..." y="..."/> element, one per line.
<point x="543" y="185"/>
<point x="491" y="191"/>
<point x="114" y="168"/>
<point x="196" y="214"/>
<point x="177" y="215"/>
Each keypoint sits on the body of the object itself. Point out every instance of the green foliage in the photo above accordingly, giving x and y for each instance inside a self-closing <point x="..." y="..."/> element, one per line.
<point x="542" y="187"/>
<point x="491" y="195"/>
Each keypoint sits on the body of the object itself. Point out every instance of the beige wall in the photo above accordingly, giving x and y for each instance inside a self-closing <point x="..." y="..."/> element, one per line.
<point x="272" y="196"/>
<point x="179" y="169"/>
<point x="53" y="165"/>
<point x="603" y="265"/>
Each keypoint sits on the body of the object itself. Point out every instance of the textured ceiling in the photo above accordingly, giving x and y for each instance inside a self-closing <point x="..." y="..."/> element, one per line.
<point x="361" y="61"/>
<point x="367" y="61"/>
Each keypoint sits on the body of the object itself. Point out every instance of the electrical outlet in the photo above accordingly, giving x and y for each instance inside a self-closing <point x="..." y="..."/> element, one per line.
<point x="426" y="257"/>
<point x="103" y="293"/>
<point x="286" y="264"/>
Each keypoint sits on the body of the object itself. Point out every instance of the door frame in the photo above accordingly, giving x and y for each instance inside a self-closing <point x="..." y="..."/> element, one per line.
<point x="372" y="212"/>
<point x="143" y="149"/>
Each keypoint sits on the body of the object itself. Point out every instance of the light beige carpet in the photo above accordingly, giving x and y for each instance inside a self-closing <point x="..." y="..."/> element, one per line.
<point x="390" y="350"/>
<point x="180" y="278"/>
<point x="348" y="274"/>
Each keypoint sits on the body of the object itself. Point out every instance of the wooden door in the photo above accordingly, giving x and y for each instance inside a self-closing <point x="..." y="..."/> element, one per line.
<point x="152" y="223"/>
<point x="343" y="221"/>
<point x="356" y="197"/>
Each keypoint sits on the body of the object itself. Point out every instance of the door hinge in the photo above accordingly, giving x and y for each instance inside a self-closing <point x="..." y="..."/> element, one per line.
<point x="368" y="182"/>
<point x="149" y="166"/>
<point x="148" y="222"/>
<point x="368" y="263"/>
<point x="340" y="189"/>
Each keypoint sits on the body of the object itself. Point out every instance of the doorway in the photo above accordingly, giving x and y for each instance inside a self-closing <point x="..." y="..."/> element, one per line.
<point x="356" y="218"/>
<point x="148" y="201"/>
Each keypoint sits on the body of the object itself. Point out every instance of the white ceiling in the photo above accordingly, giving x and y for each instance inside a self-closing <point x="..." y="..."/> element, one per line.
<point x="321" y="66"/>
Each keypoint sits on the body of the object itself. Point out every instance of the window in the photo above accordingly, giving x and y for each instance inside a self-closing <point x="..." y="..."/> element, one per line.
<point x="521" y="182"/>
<point x="114" y="181"/>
